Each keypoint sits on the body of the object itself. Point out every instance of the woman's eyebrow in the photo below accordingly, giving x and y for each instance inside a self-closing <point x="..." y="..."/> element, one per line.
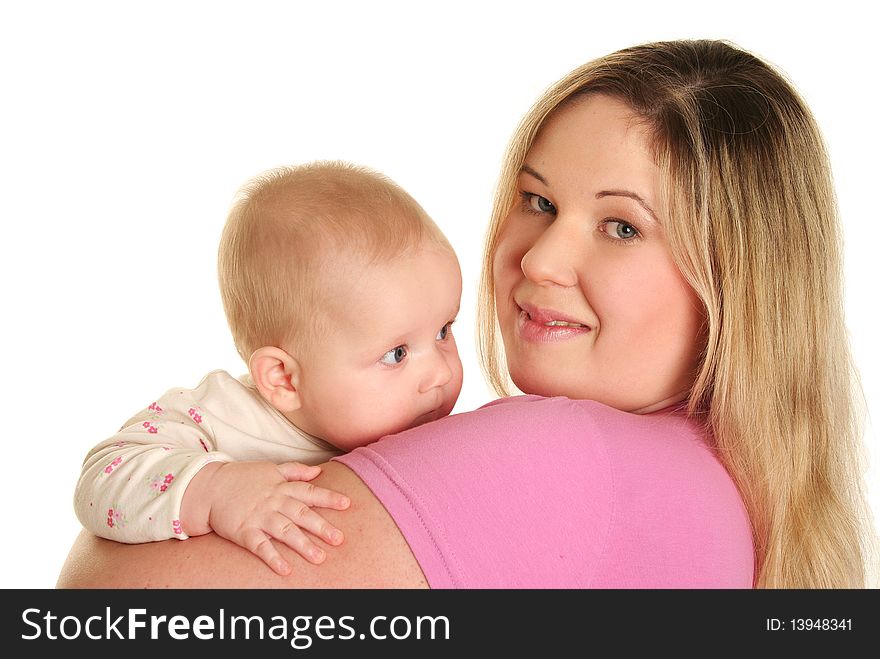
<point x="629" y="195"/>
<point x="531" y="172"/>
<point x="528" y="169"/>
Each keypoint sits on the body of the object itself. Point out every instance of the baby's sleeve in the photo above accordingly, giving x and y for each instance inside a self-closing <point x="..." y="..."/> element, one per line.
<point x="132" y="485"/>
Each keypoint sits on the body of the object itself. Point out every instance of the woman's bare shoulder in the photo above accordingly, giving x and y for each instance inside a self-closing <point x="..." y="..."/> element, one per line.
<point x="374" y="555"/>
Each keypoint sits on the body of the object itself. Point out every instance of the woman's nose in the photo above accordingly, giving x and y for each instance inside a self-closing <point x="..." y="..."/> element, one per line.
<point x="437" y="373"/>
<point x="551" y="259"/>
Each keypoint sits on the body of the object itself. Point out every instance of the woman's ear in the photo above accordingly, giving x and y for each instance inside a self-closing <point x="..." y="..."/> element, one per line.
<point x="276" y="375"/>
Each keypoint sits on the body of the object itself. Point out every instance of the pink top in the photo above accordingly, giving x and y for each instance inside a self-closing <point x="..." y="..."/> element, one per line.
<point x="531" y="492"/>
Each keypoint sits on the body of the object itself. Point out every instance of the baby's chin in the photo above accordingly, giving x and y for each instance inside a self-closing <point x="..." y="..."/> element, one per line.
<point x="429" y="417"/>
<point x="350" y="443"/>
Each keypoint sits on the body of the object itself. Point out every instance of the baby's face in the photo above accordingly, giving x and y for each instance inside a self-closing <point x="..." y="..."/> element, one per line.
<point x="386" y="359"/>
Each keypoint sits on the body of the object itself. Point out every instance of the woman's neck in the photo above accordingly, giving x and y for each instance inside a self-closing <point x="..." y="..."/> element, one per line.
<point x="680" y="397"/>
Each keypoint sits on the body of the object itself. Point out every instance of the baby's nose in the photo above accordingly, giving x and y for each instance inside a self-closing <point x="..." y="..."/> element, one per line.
<point x="437" y="372"/>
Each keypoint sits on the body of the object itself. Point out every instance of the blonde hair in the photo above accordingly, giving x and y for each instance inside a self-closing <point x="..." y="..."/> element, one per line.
<point x="752" y="225"/>
<point x="286" y="235"/>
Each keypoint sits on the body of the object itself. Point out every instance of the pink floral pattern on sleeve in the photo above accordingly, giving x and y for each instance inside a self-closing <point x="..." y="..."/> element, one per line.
<point x="196" y="413"/>
<point x="110" y="467"/>
<point x="175" y="527"/>
<point x="116" y="518"/>
<point x="152" y="425"/>
<point x="159" y="483"/>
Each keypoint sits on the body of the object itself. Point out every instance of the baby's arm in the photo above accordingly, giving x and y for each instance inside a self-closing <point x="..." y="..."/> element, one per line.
<point x="160" y="478"/>
<point x="132" y="485"/>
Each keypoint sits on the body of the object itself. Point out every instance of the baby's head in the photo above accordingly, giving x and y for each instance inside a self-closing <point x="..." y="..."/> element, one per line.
<point x="340" y="292"/>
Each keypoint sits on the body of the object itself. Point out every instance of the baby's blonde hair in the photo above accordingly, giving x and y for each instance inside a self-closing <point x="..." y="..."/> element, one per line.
<point x="286" y="234"/>
<point x="752" y="224"/>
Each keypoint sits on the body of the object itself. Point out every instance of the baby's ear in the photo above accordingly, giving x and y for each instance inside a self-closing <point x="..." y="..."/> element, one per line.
<point x="276" y="376"/>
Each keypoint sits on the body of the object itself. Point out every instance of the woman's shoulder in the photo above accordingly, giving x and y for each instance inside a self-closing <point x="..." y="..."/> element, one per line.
<point x="667" y="448"/>
<point x="598" y="436"/>
<point x="659" y="479"/>
<point x="642" y="494"/>
<point x="603" y="421"/>
<point x="561" y="407"/>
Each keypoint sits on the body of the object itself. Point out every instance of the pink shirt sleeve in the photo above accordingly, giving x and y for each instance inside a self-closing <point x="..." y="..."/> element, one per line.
<point x="531" y="492"/>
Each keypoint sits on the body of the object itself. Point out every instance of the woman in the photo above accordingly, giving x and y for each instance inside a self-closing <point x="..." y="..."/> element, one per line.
<point x="663" y="264"/>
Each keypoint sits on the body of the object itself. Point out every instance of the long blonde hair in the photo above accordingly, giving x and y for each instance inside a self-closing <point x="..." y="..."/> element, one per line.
<point x="752" y="225"/>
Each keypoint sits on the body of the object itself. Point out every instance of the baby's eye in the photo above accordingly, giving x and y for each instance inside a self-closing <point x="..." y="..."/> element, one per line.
<point x="538" y="204"/>
<point x="394" y="356"/>
<point x="444" y="331"/>
<point x="620" y="230"/>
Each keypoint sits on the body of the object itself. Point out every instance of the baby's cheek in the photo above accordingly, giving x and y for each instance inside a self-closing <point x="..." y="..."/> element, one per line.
<point x="455" y="390"/>
<point x="386" y="418"/>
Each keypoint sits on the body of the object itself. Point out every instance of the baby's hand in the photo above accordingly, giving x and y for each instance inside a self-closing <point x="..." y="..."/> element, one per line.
<point x="253" y="502"/>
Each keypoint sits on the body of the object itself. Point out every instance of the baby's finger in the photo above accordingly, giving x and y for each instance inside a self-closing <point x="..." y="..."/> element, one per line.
<point x="312" y="495"/>
<point x="259" y="543"/>
<point x="288" y="532"/>
<point x="297" y="471"/>
<point x="311" y="521"/>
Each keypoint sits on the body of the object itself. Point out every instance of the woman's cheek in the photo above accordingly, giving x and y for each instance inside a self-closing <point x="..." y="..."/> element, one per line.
<point x="501" y="272"/>
<point x="512" y="247"/>
<point x="502" y="256"/>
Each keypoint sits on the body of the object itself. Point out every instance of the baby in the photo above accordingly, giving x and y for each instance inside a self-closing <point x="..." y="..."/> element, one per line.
<point x="340" y="293"/>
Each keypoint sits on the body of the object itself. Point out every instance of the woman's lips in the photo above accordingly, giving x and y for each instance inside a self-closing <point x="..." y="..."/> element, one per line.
<point x="547" y="326"/>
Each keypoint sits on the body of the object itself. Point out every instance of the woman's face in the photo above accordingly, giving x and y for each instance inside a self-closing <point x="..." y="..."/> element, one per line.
<point x="590" y="303"/>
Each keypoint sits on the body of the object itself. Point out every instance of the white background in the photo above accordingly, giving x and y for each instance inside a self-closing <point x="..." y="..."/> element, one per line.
<point x="125" y="130"/>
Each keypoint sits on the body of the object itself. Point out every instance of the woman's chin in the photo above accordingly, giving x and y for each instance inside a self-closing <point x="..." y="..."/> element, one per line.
<point x="548" y="386"/>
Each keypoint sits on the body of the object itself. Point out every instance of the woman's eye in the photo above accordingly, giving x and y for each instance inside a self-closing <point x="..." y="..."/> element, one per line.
<point x="620" y="230"/>
<point x="538" y="203"/>
<point x="394" y="356"/>
<point x="444" y="332"/>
